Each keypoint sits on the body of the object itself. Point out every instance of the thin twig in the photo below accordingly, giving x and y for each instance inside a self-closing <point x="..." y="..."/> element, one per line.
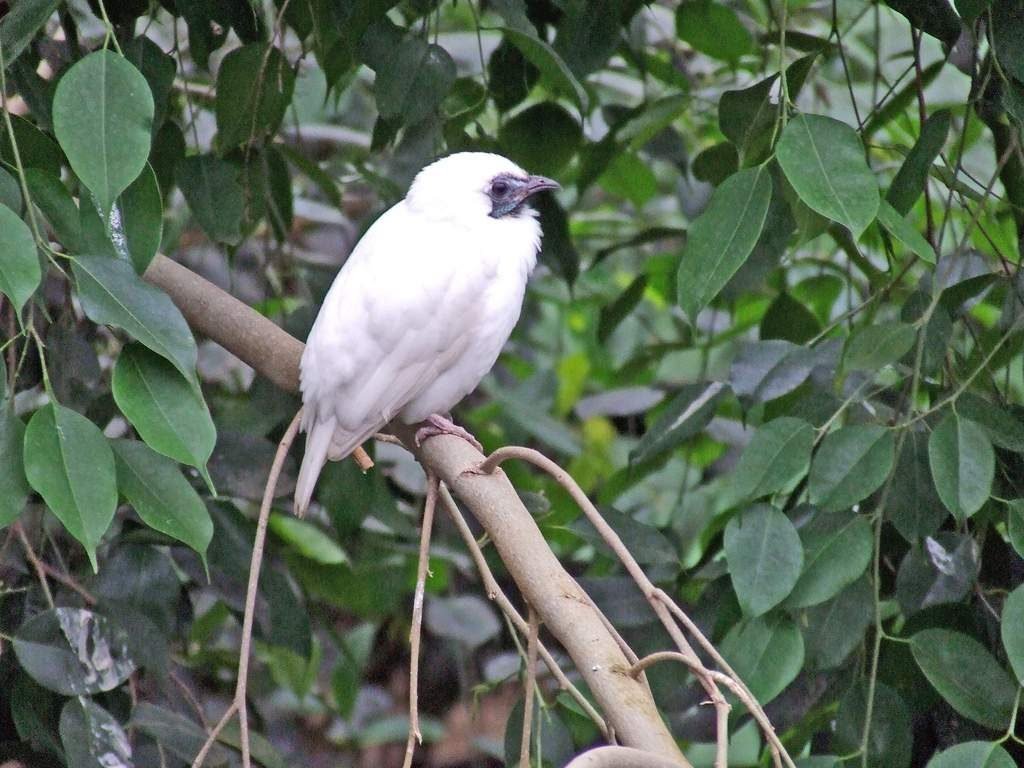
<point x="495" y="593"/>
<point x="239" y="704"/>
<point x="33" y="558"/>
<point x="528" y="686"/>
<point x="417" y="619"/>
<point x="68" y="582"/>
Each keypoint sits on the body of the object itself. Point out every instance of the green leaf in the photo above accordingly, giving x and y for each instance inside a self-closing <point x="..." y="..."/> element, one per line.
<point x="113" y="294"/>
<point x="20" y="274"/>
<point x="73" y="651"/>
<point x="214" y="195"/>
<point x="722" y="237"/>
<point x="37" y="149"/>
<point x="103" y="119"/>
<point x="53" y="199"/>
<point x="966" y="675"/>
<point x="872" y="347"/>
<point x="912" y="504"/>
<point x="612" y="315"/>
<point x="973" y="754"/>
<point x="685" y="416"/>
<point x="834" y="629"/>
<point x="905" y="232"/>
<point x="935" y="17"/>
<point x="777" y="454"/>
<point x="837" y="550"/>
<point x="68" y="461"/>
<point x="307" y="539"/>
<point x="767" y="654"/>
<point x="1012" y="628"/>
<point x="543" y="138"/>
<point x="168" y="413"/>
<point x="91" y="736"/>
<point x="765" y="556"/>
<point x="1008" y="36"/>
<point x="10" y="191"/>
<point x="908" y="184"/>
<point x="553" y="70"/>
<point x="963" y="464"/>
<point x="21" y="23"/>
<point x="165" y="500"/>
<point x="254" y="88"/>
<point x="139" y="225"/>
<point x="175" y="733"/>
<point x="14" y="487"/>
<point x="413" y="77"/>
<point x="892" y="736"/>
<point x="1003" y="428"/>
<point x="713" y="29"/>
<point x="158" y="68"/>
<point x="824" y="161"/>
<point x="851" y="463"/>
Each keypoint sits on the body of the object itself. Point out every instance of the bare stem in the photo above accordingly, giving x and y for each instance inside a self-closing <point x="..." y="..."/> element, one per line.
<point x="33" y="558"/>
<point x="528" y="686"/>
<point x="417" y="619"/>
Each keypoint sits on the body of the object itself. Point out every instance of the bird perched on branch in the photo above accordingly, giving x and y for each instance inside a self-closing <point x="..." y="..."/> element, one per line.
<point x="421" y="309"/>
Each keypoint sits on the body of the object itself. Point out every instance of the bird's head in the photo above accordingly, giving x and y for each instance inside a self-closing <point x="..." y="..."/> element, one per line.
<point x="474" y="185"/>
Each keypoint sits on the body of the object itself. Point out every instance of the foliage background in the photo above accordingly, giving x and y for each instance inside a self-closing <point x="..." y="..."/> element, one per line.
<point x="776" y="335"/>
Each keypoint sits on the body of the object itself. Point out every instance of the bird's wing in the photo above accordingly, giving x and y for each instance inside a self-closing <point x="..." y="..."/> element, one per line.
<point x="400" y="312"/>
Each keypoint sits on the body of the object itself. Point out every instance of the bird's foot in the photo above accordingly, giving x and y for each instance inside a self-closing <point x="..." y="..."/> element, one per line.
<point x="436" y="424"/>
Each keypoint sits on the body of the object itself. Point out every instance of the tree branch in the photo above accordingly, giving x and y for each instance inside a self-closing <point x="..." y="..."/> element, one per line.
<point x="560" y="602"/>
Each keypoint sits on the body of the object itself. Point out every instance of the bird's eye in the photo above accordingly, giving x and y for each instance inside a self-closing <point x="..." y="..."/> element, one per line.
<point x="499" y="188"/>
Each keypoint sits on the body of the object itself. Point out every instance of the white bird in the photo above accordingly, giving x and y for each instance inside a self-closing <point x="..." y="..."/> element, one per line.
<point x="421" y="309"/>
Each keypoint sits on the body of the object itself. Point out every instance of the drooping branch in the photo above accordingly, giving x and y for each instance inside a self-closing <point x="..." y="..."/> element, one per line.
<point x="560" y="602"/>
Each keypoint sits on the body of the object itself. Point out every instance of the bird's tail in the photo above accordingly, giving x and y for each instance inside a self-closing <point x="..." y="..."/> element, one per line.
<point x="318" y="442"/>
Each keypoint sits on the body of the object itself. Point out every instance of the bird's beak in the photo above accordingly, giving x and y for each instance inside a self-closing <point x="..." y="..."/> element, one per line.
<point x="535" y="184"/>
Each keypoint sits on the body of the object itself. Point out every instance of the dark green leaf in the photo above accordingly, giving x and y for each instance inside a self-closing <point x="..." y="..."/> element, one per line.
<point x="164" y="499"/>
<point x="10" y="191"/>
<point x="168" y="150"/>
<point x="91" y="736"/>
<point x="975" y="754"/>
<point x="113" y="294"/>
<point x="175" y="733"/>
<point x="413" y="76"/>
<point x="722" y="237"/>
<point x="1008" y="36"/>
<point x="1003" y="427"/>
<point x="553" y="70"/>
<point x="837" y="550"/>
<point x="613" y="314"/>
<point x="139" y="225"/>
<point x="766" y="653"/>
<point x="1012" y="628"/>
<point x="590" y="32"/>
<point x="834" y="629"/>
<point x="851" y="463"/>
<point x="908" y="185"/>
<point x="163" y="407"/>
<point x="543" y="138"/>
<point x="765" y="370"/>
<point x="941" y="570"/>
<point x="53" y="199"/>
<point x="510" y="76"/>
<point x="935" y="17"/>
<point x="103" y="119"/>
<point x="36" y="714"/>
<point x="14" y="488"/>
<point x="824" y="161"/>
<point x="789" y="320"/>
<point x="649" y="545"/>
<point x="765" y="556"/>
<point x="716" y="163"/>
<point x="158" y="68"/>
<point x="73" y="651"/>
<point x="214" y="195"/>
<point x="714" y="29"/>
<point x="685" y="416"/>
<point x="36" y="149"/>
<point x="20" y="274"/>
<point x="467" y="619"/>
<point x="254" y="88"/>
<point x="70" y="464"/>
<point x="891" y="733"/>
<point x="905" y="232"/>
<point x="21" y="23"/>
<point x="777" y="454"/>
<point x="913" y="505"/>
<point x="963" y="465"/>
<point x="556" y="248"/>
<point x="872" y="347"/>
<point x="966" y="675"/>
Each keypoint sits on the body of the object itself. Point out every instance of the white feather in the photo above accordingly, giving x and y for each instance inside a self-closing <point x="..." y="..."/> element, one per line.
<point x="419" y="312"/>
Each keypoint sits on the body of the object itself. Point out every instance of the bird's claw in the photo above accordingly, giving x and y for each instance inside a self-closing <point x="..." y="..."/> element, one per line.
<point x="436" y="424"/>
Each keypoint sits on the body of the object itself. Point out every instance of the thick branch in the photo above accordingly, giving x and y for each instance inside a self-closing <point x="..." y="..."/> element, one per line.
<point x="560" y="602"/>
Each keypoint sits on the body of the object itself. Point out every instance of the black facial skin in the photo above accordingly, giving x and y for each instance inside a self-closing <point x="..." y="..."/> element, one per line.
<point x="509" y="193"/>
